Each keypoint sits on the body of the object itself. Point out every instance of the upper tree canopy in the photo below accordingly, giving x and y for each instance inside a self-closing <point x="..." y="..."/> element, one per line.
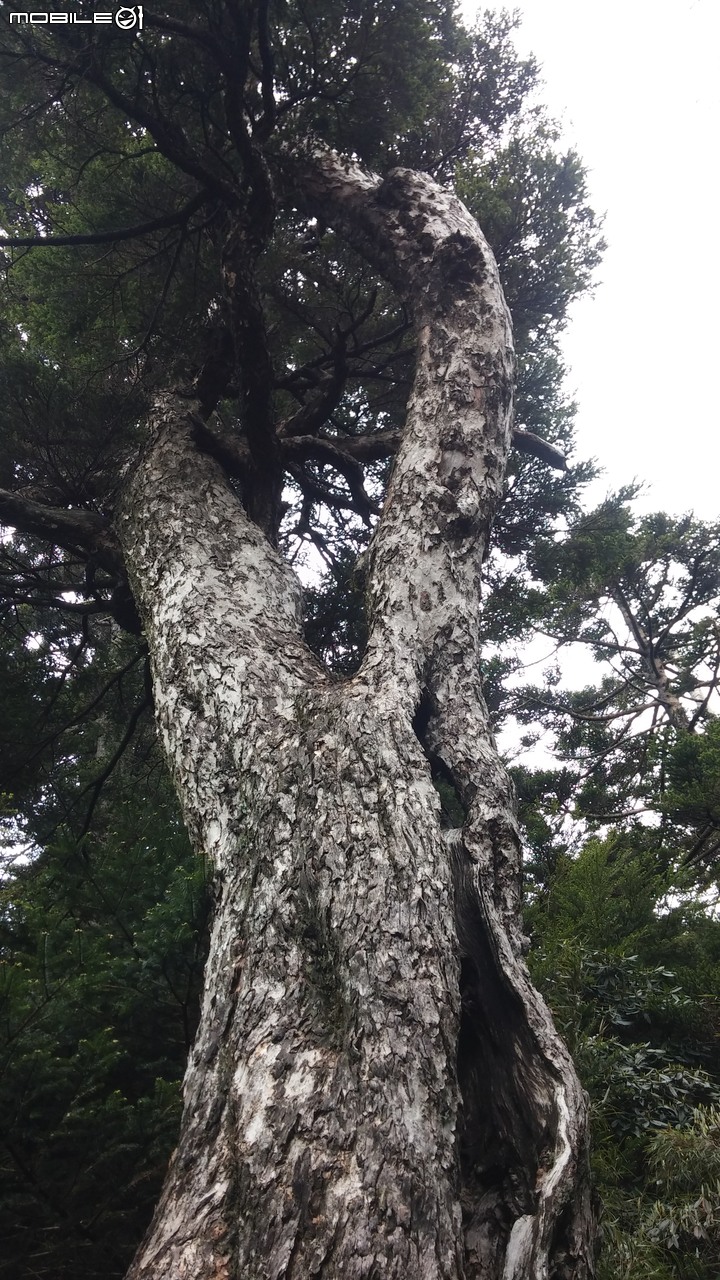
<point x="155" y="236"/>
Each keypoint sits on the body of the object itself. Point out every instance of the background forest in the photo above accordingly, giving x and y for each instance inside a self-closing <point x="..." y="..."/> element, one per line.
<point x="103" y="908"/>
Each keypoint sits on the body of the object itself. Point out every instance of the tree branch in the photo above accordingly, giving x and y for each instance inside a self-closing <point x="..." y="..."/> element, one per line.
<point x="108" y="237"/>
<point x="527" y="442"/>
<point x="171" y="143"/>
<point x="70" y="529"/>
<point x="368" y="447"/>
<point x="306" y="447"/>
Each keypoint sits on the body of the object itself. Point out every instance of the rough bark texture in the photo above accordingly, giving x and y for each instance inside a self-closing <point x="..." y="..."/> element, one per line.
<point x="376" y="1089"/>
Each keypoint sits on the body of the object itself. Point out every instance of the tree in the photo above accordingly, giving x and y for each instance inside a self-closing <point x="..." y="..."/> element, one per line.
<point x="642" y="596"/>
<point x="634" y="990"/>
<point x="207" y="348"/>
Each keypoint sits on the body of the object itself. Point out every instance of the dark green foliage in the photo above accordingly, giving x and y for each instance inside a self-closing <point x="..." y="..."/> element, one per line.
<point x="102" y="941"/>
<point x="532" y="203"/>
<point x="544" y="798"/>
<point x="337" y="62"/>
<point x="605" y="897"/>
<point x="681" y="1219"/>
<point x="335" y="621"/>
<point x="671" y="1231"/>
<point x="101" y="950"/>
<point x="691" y="798"/>
<point x="633" y="981"/>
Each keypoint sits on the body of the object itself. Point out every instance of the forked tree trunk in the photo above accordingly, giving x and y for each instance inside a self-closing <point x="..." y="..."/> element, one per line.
<point x="376" y="1089"/>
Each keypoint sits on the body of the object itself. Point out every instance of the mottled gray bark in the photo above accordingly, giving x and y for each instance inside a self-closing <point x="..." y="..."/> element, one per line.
<point x="376" y="1089"/>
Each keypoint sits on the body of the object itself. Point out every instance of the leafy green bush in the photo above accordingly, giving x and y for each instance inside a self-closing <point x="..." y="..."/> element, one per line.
<point x="644" y="1036"/>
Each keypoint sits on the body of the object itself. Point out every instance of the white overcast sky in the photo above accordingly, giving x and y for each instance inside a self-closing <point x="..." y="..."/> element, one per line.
<point x="636" y="86"/>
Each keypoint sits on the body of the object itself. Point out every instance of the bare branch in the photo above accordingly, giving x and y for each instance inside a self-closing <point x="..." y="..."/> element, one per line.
<point x="527" y="442"/>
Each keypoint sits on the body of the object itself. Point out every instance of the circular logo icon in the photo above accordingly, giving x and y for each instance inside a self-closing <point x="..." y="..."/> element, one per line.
<point x="126" y="18"/>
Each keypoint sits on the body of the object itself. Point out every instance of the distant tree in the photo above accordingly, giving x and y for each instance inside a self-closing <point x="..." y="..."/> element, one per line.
<point x="642" y="596"/>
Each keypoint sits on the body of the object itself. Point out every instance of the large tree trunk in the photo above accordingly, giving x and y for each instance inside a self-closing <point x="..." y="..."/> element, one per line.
<point x="376" y="1089"/>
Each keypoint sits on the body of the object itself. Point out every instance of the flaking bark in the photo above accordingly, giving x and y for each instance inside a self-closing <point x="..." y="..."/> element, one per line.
<point x="376" y="1090"/>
